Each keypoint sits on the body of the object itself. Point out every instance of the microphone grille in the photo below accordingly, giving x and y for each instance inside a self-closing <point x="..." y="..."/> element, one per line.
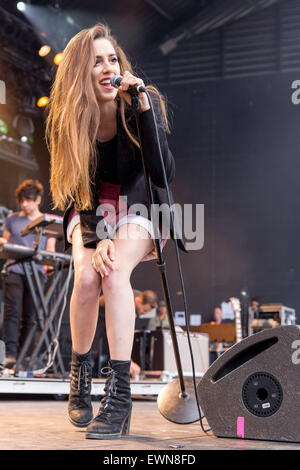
<point x="116" y="80"/>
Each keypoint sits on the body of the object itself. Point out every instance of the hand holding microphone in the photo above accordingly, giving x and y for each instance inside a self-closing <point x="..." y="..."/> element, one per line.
<point x="129" y="85"/>
<point x="118" y="81"/>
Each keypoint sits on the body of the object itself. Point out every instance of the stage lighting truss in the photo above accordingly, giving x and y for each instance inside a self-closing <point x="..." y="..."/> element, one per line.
<point x="24" y="125"/>
<point x="213" y="16"/>
<point x="19" y="58"/>
<point x="17" y="152"/>
<point x="24" y="93"/>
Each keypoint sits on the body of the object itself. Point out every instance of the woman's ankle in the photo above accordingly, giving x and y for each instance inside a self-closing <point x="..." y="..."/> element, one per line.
<point x="81" y="355"/>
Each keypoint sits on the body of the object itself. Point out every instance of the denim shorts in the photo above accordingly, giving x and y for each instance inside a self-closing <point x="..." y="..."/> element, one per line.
<point x="114" y="216"/>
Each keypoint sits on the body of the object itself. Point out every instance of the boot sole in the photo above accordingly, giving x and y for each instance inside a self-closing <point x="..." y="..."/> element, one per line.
<point x="91" y="435"/>
<point x="80" y="425"/>
<point x="124" y="432"/>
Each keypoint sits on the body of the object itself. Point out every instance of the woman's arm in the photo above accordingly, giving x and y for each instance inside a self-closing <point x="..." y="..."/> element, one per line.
<point x="150" y="145"/>
<point x="148" y="133"/>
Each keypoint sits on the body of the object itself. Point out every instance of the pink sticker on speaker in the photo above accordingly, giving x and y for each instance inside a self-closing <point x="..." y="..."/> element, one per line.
<point x="240" y="427"/>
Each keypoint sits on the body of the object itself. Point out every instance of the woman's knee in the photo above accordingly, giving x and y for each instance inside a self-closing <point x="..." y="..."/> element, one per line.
<point x="87" y="283"/>
<point x="115" y="279"/>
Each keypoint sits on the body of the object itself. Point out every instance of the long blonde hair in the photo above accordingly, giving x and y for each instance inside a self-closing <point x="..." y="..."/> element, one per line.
<point x="73" y="119"/>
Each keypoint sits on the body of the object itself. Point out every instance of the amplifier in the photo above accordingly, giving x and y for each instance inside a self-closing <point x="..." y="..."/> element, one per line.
<point x="158" y="351"/>
<point x="284" y="315"/>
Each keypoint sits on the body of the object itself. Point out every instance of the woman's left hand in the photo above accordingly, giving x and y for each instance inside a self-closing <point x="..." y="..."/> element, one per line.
<point x="130" y="80"/>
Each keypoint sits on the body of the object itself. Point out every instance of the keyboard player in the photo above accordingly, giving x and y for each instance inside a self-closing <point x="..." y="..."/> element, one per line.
<point x="18" y="305"/>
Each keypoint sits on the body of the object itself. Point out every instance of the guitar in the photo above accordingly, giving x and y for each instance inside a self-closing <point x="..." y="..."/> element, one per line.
<point x="236" y="305"/>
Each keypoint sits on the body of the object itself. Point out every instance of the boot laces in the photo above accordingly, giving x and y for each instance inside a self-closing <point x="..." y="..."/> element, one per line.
<point x="112" y="403"/>
<point x="110" y="390"/>
<point x="111" y="382"/>
<point x="83" y="376"/>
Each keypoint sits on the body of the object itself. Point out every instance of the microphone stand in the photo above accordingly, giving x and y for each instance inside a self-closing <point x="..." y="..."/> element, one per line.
<point x="176" y="401"/>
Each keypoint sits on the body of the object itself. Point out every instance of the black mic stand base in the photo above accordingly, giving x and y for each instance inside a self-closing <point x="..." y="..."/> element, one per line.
<point x="174" y="406"/>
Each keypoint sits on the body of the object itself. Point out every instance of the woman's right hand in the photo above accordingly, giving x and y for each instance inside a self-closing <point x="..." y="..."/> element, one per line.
<point x="104" y="257"/>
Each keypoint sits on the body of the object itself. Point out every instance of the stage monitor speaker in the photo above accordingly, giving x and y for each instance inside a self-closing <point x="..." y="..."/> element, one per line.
<point x="252" y="391"/>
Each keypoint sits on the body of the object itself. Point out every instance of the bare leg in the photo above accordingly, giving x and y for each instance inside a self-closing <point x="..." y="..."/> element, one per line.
<point x="119" y="299"/>
<point x="84" y="306"/>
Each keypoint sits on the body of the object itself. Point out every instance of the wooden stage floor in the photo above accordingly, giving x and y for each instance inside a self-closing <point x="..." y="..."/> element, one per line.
<point x="33" y="423"/>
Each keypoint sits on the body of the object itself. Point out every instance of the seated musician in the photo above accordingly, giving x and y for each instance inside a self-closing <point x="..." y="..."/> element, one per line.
<point x="215" y="348"/>
<point x="217" y="316"/>
<point x="254" y="308"/>
<point x="145" y="303"/>
<point x="160" y="321"/>
<point x="18" y="304"/>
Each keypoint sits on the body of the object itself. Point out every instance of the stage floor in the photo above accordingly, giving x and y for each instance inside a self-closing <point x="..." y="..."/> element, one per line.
<point x="41" y="423"/>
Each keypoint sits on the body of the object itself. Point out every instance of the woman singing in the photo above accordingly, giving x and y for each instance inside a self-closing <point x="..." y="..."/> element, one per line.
<point x="95" y="159"/>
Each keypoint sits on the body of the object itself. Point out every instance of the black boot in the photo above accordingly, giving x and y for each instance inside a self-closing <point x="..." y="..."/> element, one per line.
<point x="113" y="418"/>
<point x="80" y="405"/>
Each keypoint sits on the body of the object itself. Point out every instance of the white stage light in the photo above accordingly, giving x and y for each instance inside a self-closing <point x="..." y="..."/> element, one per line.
<point x="21" y="6"/>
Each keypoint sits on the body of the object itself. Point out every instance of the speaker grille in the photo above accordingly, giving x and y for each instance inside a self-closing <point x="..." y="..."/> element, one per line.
<point x="262" y="394"/>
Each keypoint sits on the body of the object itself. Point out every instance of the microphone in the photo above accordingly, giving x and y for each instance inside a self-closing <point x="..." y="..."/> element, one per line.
<point x="116" y="80"/>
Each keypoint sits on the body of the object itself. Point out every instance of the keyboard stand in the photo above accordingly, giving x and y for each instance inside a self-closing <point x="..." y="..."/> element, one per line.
<point x="46" y="311"/>
<point x="57" y="290"/>
<point x="48" y="306"/>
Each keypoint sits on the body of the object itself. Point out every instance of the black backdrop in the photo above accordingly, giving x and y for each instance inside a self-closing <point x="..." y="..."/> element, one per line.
<point x="236" y="144"/>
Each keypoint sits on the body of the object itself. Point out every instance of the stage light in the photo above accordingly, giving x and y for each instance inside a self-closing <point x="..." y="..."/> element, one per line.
<point x="42" y="102"/>
<point x="21" y="6"/>
<point x="70" y="20"/>
<point x="57" y="58"/>
<point x="170" y="44"/>
<point x="24" y="138"/>
<point x="44" y="50"/>
<point x="3" y="127"/>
